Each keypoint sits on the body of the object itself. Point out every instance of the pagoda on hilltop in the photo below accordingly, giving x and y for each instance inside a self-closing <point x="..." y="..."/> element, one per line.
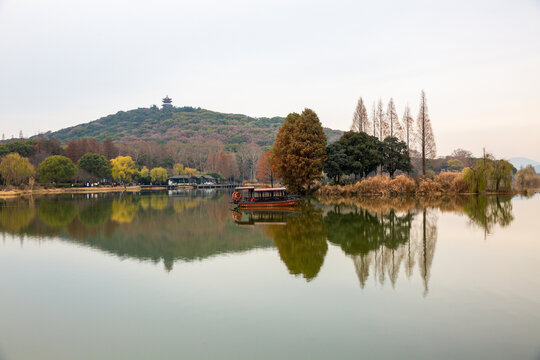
<point x="167" y="101"/>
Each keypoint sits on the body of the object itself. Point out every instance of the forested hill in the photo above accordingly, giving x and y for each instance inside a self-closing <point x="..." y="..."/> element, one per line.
<point x="184" y="124"/>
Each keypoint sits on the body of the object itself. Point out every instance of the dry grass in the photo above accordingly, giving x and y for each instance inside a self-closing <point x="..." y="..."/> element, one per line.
<point x="382" y="185"/>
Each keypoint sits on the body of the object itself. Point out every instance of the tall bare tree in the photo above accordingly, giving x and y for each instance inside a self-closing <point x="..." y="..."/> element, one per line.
<point x="424" y="135"/>
<point x="381" y="120"/>
<point x="394" y="126"/>
<point x="374" y="119"/>
<point x="408" y="131"/>
<point x="360" y="118"/>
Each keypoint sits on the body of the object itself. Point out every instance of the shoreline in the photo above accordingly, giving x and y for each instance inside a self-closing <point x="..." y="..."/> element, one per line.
<point x="80" y="190"/>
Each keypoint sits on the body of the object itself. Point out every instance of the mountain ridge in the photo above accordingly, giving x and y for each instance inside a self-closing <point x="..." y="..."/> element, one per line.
<point x="187" y="124"/>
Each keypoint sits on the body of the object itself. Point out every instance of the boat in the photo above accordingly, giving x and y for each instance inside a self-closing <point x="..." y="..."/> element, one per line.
<point x="249" y="197"/>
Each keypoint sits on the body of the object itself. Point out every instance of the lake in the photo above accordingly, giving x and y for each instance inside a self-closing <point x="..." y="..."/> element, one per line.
<point x="179" y="275"/>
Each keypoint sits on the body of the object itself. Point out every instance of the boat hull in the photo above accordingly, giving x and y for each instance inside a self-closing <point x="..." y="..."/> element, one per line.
<point x="268" y="204"/>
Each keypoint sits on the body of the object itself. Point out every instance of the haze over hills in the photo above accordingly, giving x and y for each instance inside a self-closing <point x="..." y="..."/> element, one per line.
<point x="183" y="124"/>
<point x="521" y="162"/>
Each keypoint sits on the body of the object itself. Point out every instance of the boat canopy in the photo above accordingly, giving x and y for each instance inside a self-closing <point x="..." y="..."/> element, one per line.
<point x="245" y="188"/>
<point x="271" y="189"/>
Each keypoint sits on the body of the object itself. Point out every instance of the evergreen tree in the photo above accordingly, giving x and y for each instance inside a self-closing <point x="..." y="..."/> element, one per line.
<point x="395" y="156"/>
<point x="300" y="150"/>
<point x="336" y="163"/>
<point x="362" y="151"/>
<point x="424" y="136"/>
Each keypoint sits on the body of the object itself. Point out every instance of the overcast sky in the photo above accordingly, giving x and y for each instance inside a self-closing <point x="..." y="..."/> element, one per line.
<point x="65" y="62"/>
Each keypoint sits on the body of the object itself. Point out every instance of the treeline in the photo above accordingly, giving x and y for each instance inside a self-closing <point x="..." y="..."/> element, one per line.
<point x="209" y="158"/>
<point x="417" y="136"/>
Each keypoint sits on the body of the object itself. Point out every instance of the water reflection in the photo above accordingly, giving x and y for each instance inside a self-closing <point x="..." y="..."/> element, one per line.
<point x="301" y="241"/>
<point x="382" y="237"/>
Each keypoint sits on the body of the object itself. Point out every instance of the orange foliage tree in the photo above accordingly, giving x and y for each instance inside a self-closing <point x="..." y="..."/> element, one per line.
<point x="265" y="172"/>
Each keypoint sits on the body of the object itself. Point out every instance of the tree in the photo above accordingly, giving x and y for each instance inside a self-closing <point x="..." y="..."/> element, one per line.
<point x="159" y="175"/>
<point x="56" y="168"/>
<point x="465" y="156"/>
<point x="144" y="176"/>
<point x="477" y="177"/>
<point x="337" y="161"/>
<point x="501" y="175"/>
<point x="362" y="151"/>
<point x="15" y="169"/>
<point x="76" y="149"/>
<point x="395" y="128"/>
<point x="224" y="165"/>
<point x="395" y="156"/>
<point x="424" y="136"/>
<point x="408" y="127"/>
<point x="300" y="150"/>
<point x="381" y="121"/>
<point x="109" y="149"/>
<point x="123" y="169"/>
<point x="374" y="119"/>
<point x="527" y="178"/>
<point x="265" y="173"/>
<point x="455" y="165"/>
<point x="178" y="169"/>
<point x="360" y="118"/>
<point x="96" y="165"/>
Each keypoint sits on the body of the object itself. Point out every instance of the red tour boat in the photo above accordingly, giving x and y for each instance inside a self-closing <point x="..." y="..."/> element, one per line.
<point x="249" y="197"/>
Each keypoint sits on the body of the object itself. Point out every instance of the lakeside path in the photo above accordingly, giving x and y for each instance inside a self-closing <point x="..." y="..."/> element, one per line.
<point x="81" y="190"/>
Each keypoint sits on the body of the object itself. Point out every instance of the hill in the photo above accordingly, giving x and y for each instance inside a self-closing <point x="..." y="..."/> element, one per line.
<point x="183" y="124"/>
<point x="521" y="162"/>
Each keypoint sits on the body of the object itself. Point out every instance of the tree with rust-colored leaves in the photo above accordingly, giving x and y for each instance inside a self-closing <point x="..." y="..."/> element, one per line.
<point x="300" y="150"/>
<point x="424" y="133"/>
<point x="265" y="172"/>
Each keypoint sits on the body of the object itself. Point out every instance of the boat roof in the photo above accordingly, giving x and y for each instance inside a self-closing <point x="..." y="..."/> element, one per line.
<point x="271" y="189"/>
<point x="245" y="188"/>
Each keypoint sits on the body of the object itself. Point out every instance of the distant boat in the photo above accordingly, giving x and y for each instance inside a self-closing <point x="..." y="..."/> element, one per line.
<point x="249" y="197"/>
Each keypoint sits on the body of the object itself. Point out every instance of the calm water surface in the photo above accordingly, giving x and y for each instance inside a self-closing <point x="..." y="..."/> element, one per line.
<point x="180" y="275"/>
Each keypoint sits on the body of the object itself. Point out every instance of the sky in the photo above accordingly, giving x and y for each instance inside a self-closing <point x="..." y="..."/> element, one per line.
<point x="65" y="62"/>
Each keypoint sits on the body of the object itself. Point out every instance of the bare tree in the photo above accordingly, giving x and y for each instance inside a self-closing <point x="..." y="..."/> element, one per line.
<point x="381" y="120"/>
<point x="408" y="127"/>
<point x="465" y="156"/>
<point x="360" y="118"/>
<point x="424" y="136"/>
<point x="374" y="120"/>
<point x="394" y="126"/>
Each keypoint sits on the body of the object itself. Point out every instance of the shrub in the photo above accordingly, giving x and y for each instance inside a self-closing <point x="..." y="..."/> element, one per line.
<point x="402" y="184"/>
<point x="429" y="186"/>
<point x="376" y="185"/>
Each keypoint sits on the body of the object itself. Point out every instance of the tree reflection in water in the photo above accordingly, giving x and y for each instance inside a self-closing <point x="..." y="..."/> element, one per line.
<point x="301" y="241"/>
<point x="382" y="236"/>
<point x="486" y="212"/>
<point x="375" y="241"/>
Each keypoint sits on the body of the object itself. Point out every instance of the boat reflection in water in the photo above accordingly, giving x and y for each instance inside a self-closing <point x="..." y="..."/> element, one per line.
<point x="264" y="217"/>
